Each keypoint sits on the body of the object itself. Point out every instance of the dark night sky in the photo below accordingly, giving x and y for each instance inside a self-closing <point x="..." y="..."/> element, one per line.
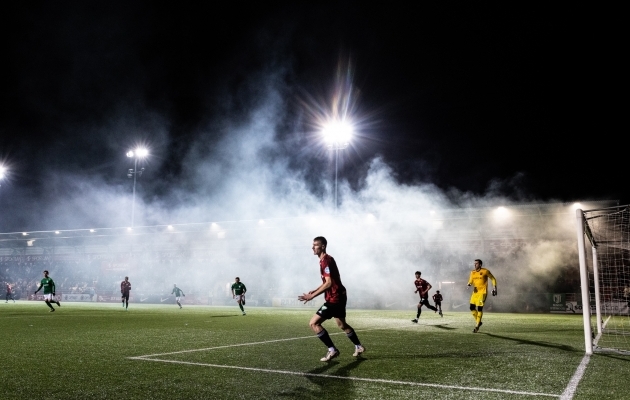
<point x="511" y="99"/>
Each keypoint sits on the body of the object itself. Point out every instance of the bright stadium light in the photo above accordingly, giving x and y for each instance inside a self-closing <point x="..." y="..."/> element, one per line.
<point x="57" y="232"/>
<point x="170" y="227"/>
<point x="139" y="153"/>
<point x="575" y="206"/>
<point x="142" y="152"/>
<point x="501" y="214"/>
<point x="92" y="230"/>
<point x="337" y="135"/>
<point x="3" y="171"/>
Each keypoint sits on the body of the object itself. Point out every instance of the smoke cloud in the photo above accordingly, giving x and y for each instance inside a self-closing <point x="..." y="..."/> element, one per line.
<point x="262" y="188"/>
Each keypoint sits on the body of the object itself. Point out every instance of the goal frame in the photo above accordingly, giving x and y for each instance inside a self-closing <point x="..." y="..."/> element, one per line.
<point x="583" y="232"/>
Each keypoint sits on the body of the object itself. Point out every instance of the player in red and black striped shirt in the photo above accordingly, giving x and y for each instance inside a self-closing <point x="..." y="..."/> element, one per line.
<point x="335" y="302"/>
<point x="422" y="288"/>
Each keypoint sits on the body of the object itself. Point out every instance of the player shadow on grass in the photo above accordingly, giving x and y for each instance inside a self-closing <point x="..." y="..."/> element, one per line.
<point x="342" y="388"/>
<point x="535" y="343"/>
<point x="223" y="316"/>
<point x="449" y="328"/>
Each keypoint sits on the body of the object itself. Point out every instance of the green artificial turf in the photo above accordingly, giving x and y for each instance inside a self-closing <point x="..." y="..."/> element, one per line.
<point x="101" y="351"/>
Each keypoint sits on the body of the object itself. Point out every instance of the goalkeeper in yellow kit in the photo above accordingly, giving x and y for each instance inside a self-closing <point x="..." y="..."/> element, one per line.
<point x="479" y="281"/>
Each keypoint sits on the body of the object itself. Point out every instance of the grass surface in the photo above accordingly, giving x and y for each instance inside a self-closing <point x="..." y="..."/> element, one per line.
<point x="100" y="351"/>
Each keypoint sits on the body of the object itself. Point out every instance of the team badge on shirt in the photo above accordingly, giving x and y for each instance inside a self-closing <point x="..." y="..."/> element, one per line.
<point x="327" y="270"/>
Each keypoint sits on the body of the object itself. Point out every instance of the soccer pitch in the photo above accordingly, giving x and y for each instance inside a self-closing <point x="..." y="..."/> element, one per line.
<point x="101" y="351"/>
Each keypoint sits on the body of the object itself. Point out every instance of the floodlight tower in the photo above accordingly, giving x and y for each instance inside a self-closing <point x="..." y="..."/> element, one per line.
<point x="136" y="154"/>
<point x="337" y="135"/>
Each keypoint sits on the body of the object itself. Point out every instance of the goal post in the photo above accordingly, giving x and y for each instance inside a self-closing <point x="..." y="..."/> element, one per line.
<point x="605" y="277"/>
<point x="586" y="309"/>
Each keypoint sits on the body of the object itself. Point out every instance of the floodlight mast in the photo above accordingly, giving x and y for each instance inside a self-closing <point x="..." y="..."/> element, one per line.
<point x="337" y="135"/>
<point x="138" y="153"/>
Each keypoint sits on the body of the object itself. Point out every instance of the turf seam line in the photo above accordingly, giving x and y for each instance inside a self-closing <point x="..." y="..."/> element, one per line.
<point x="351" y="378"/>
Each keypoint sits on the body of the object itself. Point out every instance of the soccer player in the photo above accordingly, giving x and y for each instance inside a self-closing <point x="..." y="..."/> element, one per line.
<point x="238" y="293"/>
<point x="422" y="288"/>
<point x="49" y="291"/>
<point x="9" y="293"/>
<point x="479" y="281"/>
<point x="178" y="293"/>
<point x="125" y="287"/>
<point x="437" y="299"/>
<point x="335" y="299"/>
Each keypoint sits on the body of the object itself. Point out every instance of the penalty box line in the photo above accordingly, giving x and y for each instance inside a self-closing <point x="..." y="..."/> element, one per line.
<point x="349" y="378"/>
<point x="252" y="343"/>
<point x="152" y="357"/>
<point x="227" y="346"/>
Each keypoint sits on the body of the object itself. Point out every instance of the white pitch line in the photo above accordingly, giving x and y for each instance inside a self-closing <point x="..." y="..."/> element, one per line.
<point x="146" y="358"/>
<point x="569" y="391"/>
<point x="222" y="347"/>
<point x="255" y="343"/>
<point x="350" y="378"/>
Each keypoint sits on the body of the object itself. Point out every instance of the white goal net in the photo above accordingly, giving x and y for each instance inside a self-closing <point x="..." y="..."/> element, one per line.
<point x="605" y="277"/>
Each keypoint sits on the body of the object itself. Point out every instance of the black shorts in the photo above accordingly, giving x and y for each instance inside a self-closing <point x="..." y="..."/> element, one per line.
<point x="333" y="310"/>
<point x="125" y="296"/>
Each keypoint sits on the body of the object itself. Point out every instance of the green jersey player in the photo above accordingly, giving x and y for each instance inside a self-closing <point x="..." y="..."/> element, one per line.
<point x="49" y="291"/>
<point x="238" y="293"/>
<point x="178" y="293"/>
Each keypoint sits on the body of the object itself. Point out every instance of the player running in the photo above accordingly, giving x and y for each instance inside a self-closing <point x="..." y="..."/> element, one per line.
<point x="49" y="291"/>
<point x="422" y="288"/>
<point x="9" y="293"/>
<point x="238" y="293"/>
<point x="335" y="302"/>
<point x="479" y="281"/>
<point x="178" y="293"/>
<point x="437" y="299"/>
<point x="125" y="288"/>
